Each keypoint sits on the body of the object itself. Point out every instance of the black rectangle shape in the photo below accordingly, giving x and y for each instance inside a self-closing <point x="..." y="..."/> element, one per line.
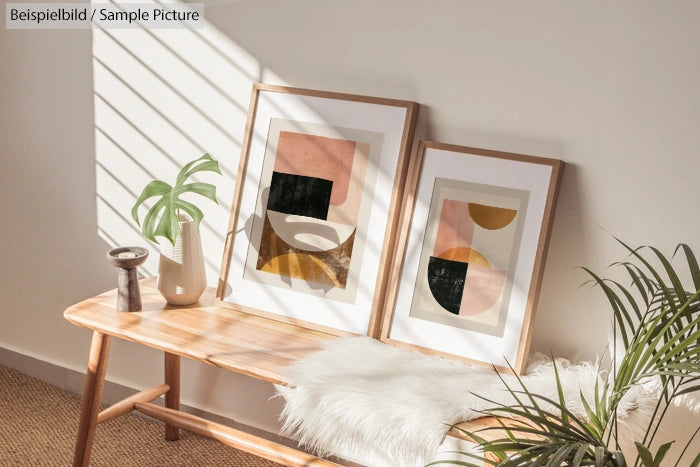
<point x="300" y="195"/>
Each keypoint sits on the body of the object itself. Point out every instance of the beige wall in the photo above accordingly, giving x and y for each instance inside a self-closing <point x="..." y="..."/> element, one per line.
<point x="609" y="87"/>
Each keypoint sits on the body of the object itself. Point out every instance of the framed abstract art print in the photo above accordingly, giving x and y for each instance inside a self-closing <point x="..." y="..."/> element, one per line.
<point x="315" y="207"/>
<point x="474" y="234"/>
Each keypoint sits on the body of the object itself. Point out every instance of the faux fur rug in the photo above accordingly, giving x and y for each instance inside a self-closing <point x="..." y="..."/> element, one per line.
<point x="361" y="399"/>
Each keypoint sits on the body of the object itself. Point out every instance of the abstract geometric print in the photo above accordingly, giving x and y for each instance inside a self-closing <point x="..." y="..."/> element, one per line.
<point x="311" y="198"/>
<point x="464" y="278"/>
<point x="311" y="188"/>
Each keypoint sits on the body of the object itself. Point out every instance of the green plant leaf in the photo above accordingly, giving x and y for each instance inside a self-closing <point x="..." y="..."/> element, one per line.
<point x="592" y="416"/>
<point x="191" y="210"/>
<point x="162" y="220"/>
<point x="617" y="305"/>
<point x="169" y="225"/>
<point x="619" y="459"/>
<point x="671" y="273"/>
<point x="206" y="163"/>
<point x="661" y="453"/>
<point x="692" y="263"/>
<point x="562" y="454"/>
<point x="600" y="457"/>
<point x="579" y="456"/>
<point x="560" y="391"/>
<point x="154" y="188"/>
<point x="659" y="280"/>
<point x="690" y="389"/>
<point x="643" y="286"/>
<point x="205" y="189"/>
<point x="149" y="221"/>
<point x="644" y="454"/>
<point x="630" y="322"/>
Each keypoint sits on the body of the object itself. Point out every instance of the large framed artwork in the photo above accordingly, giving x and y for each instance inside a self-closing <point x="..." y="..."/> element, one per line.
<point x="474" y="234"/>
<point x="315" y="207"/>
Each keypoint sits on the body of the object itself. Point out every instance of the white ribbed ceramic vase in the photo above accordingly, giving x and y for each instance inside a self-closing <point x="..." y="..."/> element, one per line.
<point x="181" y="276"/>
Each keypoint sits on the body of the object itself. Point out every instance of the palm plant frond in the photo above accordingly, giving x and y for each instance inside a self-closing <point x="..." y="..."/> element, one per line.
<point x="657" y="318"/>
<point x="536" y="434"/>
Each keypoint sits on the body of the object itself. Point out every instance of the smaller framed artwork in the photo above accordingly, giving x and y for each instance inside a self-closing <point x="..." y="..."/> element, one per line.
<point x="471" y="252"/>
<point x="315" y="208"/>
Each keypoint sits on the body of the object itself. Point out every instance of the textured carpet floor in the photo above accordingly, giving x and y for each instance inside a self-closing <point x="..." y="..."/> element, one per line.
<point x="38" y="424"/>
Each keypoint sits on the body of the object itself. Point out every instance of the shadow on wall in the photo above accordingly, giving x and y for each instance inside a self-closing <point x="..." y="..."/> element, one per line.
<point x="162" y="98"/>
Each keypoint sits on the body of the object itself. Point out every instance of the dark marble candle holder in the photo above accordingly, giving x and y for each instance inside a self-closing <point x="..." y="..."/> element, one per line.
<point x="127" y="259"/>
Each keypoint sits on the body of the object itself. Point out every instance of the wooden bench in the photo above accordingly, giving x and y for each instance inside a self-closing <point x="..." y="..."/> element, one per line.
<point x="229" y="339"/>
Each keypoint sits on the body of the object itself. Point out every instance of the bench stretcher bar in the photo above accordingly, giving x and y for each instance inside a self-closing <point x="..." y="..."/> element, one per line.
<point x="231" y="437"/>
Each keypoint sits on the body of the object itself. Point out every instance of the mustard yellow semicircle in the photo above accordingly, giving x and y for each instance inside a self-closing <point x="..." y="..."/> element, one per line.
<point x="465" y="254"/>
<point x="302" y="266"/>
<point x="491" y="217"/>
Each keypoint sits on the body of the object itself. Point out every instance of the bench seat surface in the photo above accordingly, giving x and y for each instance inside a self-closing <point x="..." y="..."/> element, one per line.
<point x="230" y="339"/>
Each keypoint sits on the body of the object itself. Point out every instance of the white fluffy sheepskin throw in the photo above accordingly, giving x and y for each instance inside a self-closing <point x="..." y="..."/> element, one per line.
<point x="361" y="399"/>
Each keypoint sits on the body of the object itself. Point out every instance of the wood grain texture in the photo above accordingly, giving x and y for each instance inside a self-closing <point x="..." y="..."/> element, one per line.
<point x="405" y="217"/>
<point x="237" y="194"/>
<point x="490" y="429"/>
<point x="126" y="405"/>
<point x="94" y="382"/>
<point x="540" y="258"/>
<point x="389" y="245"/>
<point x="232" y="437"/>
<point x="172" y="397"/>
<point x="230" y="339"/>
<point x="332" y="95"/>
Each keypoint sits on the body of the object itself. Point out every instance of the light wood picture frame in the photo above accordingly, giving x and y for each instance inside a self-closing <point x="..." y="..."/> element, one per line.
<point x="470" y="255"/>
<point x="315" y="208"/>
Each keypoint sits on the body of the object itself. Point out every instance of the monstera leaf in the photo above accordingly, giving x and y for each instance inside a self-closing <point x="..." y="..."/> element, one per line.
<point x="162" y="220"/>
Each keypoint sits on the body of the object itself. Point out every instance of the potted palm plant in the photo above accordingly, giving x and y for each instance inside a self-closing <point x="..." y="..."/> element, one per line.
<point x="181" y="275"/>
<point x="657" y="323"/>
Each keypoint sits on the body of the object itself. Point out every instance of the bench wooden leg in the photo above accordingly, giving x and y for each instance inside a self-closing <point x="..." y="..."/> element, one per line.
<point x="172" y="397"/>
<point x="94" y="382"/>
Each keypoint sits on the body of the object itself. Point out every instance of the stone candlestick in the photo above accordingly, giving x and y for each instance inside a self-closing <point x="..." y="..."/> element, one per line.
<point x="127" y="259"/>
